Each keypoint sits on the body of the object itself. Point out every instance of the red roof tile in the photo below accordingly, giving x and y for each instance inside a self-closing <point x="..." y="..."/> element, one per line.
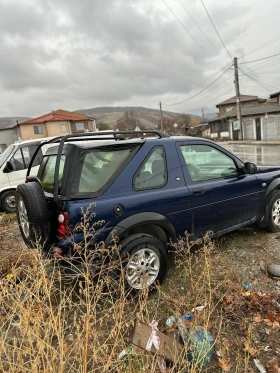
<point x="58" y="115"/>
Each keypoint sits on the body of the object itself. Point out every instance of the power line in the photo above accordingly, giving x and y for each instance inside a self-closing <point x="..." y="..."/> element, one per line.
<point x="260" y="59"/>
<point x="194" y="21"/>
<point x="263" y="85"/>
<point x="190" y="98"/>
<point x="199" y="84"/>
<point x="266" y="64"/>
<point x="216" y="29"/>
<point x="263" y="65"/>
<point x="181" y="23"/>
<point x="262" y="46"/>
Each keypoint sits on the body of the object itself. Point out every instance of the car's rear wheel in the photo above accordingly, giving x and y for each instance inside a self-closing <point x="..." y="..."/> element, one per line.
<point x="273" y="213"/>
<point x="33" y="215"/>
<point x="145" y="261"/>
<point x="8" y="201"/>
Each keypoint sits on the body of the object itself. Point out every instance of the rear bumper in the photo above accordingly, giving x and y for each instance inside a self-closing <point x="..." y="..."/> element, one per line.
<point x="91" y="240"/>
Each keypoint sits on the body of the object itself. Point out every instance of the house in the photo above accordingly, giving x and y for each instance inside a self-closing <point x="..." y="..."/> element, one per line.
<point x="200" y="130"/>
<point x="56" y="123"/>
<point x="8" y="135"/>
<point x="245" y="100"/>
<point x="260" y="122"/>
<point x="274" y="98"/>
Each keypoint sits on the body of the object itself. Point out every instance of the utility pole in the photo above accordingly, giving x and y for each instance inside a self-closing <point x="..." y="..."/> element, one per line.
<point x="202" y="115"/>
<point x="238" y="101"/>
<point x="161" y="125"/>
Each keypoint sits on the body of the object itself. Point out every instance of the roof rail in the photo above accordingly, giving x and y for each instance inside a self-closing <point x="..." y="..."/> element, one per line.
<point x="79" y="137"/>
<point x="93" y="134"/>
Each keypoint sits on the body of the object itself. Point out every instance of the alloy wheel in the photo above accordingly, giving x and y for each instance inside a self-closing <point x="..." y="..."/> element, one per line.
<point x="23" y="218"/>
<point x="142" y="269"/>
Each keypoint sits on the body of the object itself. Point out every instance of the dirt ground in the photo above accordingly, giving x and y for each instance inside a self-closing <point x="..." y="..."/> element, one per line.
<point x="247" y="252"/>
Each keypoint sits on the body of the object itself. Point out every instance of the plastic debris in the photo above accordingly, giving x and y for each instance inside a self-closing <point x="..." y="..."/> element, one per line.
<point x="201" y="346"/>
<point x="186" y="317"/>
<point x="259" y="365"/>
<point x="124" y="352"/>
<point x="199" y="308"/>
<point x="154" y="338"/>
<point x="247" y="286"/>
<point x="170" y="322"/>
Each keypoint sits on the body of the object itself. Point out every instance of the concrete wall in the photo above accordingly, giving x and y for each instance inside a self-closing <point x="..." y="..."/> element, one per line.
<point x="50" y="129"/>
<point x="7" y="137"/>
<point x="27" y="131"/>
<point x="53" y="128"/>
<point x="248" y="129"/>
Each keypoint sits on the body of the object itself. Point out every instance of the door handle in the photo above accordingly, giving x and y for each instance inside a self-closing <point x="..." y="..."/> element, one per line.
<point x="198" y="191"/>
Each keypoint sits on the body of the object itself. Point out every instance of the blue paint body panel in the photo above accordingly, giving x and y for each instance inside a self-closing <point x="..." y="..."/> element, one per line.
<point x="225" y="204"/>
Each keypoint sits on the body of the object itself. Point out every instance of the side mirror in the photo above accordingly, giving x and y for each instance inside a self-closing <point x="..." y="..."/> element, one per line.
<point x="250" y="168"/>
<point x="9" y="167"/>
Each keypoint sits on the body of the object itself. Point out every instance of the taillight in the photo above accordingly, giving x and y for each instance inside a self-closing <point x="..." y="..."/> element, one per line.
<point x="63" y="224"/>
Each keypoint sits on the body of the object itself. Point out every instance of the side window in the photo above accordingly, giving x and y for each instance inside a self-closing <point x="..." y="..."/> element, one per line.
<point x="17" y="161"/>
<point x="28" y="154"/>
<point x="23" y="156"/>
<point x="152" y="173"/>
<point x="205" y="163"/>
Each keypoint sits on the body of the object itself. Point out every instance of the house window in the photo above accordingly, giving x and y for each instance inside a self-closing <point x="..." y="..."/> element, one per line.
<point x="214" y="128"/>
<point x="38" y="129"/>
<point x="63" y="128"/>
<point x="224" y="127"/>
<point x="80" y="126"/>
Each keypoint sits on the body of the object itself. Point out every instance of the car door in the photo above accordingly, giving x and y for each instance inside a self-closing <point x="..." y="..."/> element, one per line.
<point x="223" y="197"/>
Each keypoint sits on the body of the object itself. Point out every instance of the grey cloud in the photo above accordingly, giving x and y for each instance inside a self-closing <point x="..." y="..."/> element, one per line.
<point x="72" y="54"/>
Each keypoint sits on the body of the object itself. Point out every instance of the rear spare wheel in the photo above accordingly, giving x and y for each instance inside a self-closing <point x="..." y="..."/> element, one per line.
<point x="33" y="215"/>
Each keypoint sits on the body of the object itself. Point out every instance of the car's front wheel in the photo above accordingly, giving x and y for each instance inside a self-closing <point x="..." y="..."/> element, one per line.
<point x="146" y="261"/>
<point x="273" y="213"/>
<point x="8" y="201"/>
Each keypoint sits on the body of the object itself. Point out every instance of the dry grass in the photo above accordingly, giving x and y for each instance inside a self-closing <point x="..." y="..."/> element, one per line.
<point x="55" y="322"/>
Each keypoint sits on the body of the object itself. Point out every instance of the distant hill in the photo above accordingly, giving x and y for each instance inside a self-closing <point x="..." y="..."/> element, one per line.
<point x="6" y="122"/>
<point x="208" y="113"/>
<point x="110" y="115"/>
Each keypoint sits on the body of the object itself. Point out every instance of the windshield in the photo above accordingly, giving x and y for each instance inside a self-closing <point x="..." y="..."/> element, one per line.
<point x="5" y="155"/>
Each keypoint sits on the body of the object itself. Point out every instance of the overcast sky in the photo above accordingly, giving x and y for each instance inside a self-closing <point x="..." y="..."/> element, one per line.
<point x="78" y="54"/>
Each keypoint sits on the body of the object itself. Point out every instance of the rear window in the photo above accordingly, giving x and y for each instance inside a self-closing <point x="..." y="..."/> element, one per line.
<point x="99" y="166"/>
<point x="46" y="172"/>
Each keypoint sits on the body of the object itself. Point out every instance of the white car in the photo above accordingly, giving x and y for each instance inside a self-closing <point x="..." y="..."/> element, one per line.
<point x="14" y="162"/>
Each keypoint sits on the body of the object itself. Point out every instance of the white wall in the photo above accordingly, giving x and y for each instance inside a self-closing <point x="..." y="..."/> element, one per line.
<point x="8" y="136"/>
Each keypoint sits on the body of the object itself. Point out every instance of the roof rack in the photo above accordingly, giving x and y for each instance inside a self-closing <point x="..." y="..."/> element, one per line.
<point x="79" y="137"/>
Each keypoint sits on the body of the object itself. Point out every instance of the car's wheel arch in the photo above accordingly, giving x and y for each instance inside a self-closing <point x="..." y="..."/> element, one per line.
<point x="151" y="223"/>
<point x="7" y="190"/>
<point x="274" y="185"/>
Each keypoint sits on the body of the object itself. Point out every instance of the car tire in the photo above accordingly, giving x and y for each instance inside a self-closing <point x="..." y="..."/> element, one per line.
<point x="273" y="213"/>
<point x="8" y="201"/>
<point x="33" y="215"/>
<point x="145" y="261"/>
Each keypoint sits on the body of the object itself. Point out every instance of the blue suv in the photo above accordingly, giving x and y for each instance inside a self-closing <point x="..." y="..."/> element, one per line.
<point x="149" y="189"/>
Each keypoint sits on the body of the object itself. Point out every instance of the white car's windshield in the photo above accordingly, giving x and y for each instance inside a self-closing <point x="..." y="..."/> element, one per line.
<point x="7" y="152"/>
